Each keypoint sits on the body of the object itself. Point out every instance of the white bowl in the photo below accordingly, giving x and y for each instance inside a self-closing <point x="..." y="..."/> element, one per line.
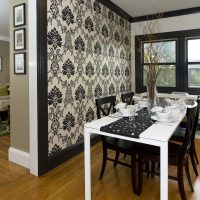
<point x="120" y="105"/>
<point x="142" y="103"/>
<point x="163" y="115"/>
<point x="125" y="111"/>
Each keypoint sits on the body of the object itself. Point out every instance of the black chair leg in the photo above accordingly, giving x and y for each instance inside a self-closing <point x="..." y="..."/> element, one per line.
<point x="133" y="173"/>
<point x="153" y="164"/>
<point x="104" y="162"/>
<point x="195" y="155"/>
<point x="195" y="152"/>
<point x="147" y="167"/>
<point x="158" y="165"/>
<point x="140" y="174"/>
<point x="116" y="158"/>
<point x="187" y="170"/>
<point x="181" y="183"/>
<point x="193" y="162"/>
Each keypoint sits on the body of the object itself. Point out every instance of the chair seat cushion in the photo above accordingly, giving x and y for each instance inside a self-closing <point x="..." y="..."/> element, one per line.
<point x="178" y="135"/>
<point x="121" y="145"/>
<point x="149" y="151"/>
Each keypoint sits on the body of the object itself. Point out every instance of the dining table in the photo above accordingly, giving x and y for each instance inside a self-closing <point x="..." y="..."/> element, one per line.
<point x="157" y="134"/>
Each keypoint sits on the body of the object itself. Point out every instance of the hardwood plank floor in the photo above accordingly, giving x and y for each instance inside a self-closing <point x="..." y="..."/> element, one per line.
<point x="67" y="180"/>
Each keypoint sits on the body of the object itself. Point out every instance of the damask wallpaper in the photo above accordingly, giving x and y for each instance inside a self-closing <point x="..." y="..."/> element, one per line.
<point x="89" y="54"/>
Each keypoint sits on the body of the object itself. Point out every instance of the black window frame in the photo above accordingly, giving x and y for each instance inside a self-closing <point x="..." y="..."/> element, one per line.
<point x="187" y="62"/>
<point x="181" y="60"/>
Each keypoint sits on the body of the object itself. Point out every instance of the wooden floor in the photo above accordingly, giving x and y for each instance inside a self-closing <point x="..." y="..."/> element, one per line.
<point x="67" y="181"/>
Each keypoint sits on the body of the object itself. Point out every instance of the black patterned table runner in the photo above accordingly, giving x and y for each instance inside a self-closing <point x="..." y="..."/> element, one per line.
<point x="131" y="128"/>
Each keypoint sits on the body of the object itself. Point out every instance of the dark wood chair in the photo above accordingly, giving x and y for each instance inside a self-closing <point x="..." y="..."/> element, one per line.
<point x="179" y="135"/>
<point x="106" y="106"/>
<point x="128" y="98"/>
<point x="178" y="154"/>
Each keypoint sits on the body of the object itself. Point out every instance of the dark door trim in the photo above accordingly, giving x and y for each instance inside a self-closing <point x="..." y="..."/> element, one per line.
<point x="42" y="86"/>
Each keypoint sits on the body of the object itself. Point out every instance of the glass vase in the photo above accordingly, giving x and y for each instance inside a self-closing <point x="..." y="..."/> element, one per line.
<point x="151" y="95"/>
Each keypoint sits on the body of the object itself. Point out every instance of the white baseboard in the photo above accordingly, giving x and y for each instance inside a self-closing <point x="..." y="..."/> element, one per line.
<point x="4" y="38"/>
<point x="19" y="157"/>
<point x="197" y="136"/>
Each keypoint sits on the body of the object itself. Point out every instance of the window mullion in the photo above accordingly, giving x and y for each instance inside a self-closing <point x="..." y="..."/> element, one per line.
<point x="181" y="72"/>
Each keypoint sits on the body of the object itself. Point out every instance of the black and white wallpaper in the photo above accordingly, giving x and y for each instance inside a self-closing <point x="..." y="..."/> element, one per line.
<point x="89" y="55"/>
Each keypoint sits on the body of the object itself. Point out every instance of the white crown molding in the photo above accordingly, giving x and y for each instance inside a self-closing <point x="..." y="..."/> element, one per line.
<point x="4" y="38"/>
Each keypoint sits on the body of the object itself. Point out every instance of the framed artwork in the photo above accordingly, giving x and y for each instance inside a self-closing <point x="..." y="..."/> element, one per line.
<point x="19" y="15"/>
<point x="19" y="39"/>
<point x="0" y="63"/>
<point x="20" y="63"/>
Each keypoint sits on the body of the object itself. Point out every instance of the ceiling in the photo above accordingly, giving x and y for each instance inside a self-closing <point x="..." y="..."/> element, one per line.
<point x="4" y="18"/>
<point x="134" y="8"/>
<point x="137" y="8"/>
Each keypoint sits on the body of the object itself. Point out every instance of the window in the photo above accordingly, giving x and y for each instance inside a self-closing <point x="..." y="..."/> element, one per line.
<point x="193" y="62"/>
<point x="165" y="59"/>
<point x="177" y="56"/>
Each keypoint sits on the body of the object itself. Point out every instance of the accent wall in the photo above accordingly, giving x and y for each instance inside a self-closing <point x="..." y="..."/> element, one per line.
<point x="89" y="56"/>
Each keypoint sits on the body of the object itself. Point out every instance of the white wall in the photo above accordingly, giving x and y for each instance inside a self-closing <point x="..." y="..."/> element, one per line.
<point x="184" y="22"/>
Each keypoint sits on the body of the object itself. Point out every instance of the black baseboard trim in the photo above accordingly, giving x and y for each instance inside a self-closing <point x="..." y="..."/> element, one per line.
<point x="70" y="152"/>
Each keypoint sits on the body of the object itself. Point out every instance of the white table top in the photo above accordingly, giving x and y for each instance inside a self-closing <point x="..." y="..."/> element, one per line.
<point x="158" y="131"/>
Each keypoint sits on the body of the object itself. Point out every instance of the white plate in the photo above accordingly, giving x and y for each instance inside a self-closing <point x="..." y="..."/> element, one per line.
<point x="169" y="120"/>
<point x="118" y="114"/>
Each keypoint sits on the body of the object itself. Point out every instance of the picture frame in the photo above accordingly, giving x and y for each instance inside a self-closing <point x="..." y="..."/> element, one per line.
<point x="19" y="39"/>
<point x="1" y="63"/>
<point x="19" y="15"/>
<point x="20" y="63"/>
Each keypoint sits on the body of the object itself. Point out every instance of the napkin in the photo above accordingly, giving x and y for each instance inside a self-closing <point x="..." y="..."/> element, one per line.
<point x="181" y="101"/>
<point x="175" y="111"/>
<point x="120" y="105"/>
<point x="169" y="101"/>
<point x="137" y="98"/>
<point x="168" y="108"/>
<point x="156" y="109"/>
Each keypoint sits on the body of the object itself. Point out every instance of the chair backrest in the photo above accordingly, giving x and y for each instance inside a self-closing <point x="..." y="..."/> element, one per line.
<point x="127" y="98"/>
<point x="189" y="132"/>
<point x="105" y="106"/>
<point x="197" y="115"/>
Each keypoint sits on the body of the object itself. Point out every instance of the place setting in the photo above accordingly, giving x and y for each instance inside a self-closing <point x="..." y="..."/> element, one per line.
<point x="124" y="110"/>
<point x="168" y="111"/>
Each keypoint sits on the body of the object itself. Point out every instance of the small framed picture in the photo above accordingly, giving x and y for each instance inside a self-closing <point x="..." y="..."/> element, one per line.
<point x="19" y="39"/>
<point x="19" y="15"/>
<point x="0" y="63"/>
<point x="20" y="63"/>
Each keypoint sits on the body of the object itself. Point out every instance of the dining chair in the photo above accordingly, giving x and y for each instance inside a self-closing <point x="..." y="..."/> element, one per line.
<point x="106" y="106"/>
<point x="178" y="155"/>
<point x="179" y="135"/>
<point x="128" y="98"/>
